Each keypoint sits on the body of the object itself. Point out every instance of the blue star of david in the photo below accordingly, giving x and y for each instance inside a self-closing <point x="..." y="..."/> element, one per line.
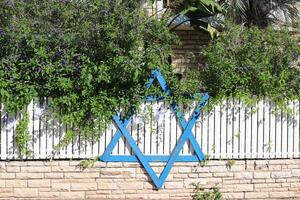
<point x="146" y="159"/>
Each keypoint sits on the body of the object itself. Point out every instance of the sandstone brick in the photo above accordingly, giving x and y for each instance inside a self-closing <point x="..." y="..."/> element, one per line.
<point x="2" y="167"/>
<point x="12" y="169"/>
<point x="16" y="163"/>
<point x="36" y="169"/>
<point x="61" y="187"/>
<point x="2" y="183"/>
<point x="237" y="168"/>
<point x="214" y="169"/>
<point x="243" y="175"/>
<point x="261" y="174"/>
<point x="256" y="195"/>
<point x="173" y="185"/>
<point x="117" y="172"/>
<point x="114" y="164"/>
<point x="29" y="175"/>
<point x="292" y="180"/>
<point x="200" y="169"/>
<point x="158" y="196"/>
<point x="296" y="185"/>
<point x="40" y="183"/>
<point x="184" y="170"/>
<point x="223" y="174"/>
<point x="7" y="175"/>
<point x="49" y="195"/>
<point x="37" y="163"/>
<point x="67" y="163"/>
<point x="65" y="169"/>
<point x="294" y="166"/>
<point x="25" y="192"/>
<point x="6" y="193"/>
<point x="296" y="172"/>
<point x="243" y="187"/>
<point x="130" y="185"/>
<point x="135" y="196"/>
<point x="280" y="174"/>
<point x="54" y="175"/>
<point x="81" y="175"/>
<point x="182" y="176"/>
<point x="84" y="186"/>
<point x="72" y="195"/>
<point x="205" y="175"/>
<point x="107" y="186"/>
<point x="115" y="196"/>
<point x="16" y="183"/>
<point x="274" y="167"/>
<point x="96" y="196"/>
<point x="280" y="180"/>
<point x="233" y="195"/>
<point x="286" y="194"/>
<point x="258" y="180"/>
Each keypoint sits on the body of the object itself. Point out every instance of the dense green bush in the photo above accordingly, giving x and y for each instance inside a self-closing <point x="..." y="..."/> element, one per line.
<point x="252" y="63"/>
<point x="90" y="58"/>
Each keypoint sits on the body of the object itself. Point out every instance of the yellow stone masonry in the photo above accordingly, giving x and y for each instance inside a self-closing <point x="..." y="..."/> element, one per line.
<point x="254" y="179"/>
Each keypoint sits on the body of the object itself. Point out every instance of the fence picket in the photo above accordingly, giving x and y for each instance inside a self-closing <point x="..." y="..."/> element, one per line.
<point x="228" y="131"/>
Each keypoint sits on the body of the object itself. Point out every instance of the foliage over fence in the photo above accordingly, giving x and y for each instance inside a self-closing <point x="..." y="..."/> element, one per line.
<point x="93" y="60"/>
<point x="249" y="63"/>
<point x="90" y="58"/>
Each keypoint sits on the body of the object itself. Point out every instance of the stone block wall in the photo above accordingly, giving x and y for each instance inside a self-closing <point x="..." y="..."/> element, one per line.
<point x="251" y="179"/>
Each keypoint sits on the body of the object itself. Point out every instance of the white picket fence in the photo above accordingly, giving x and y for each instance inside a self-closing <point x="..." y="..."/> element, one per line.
<point x="228" y="131"/>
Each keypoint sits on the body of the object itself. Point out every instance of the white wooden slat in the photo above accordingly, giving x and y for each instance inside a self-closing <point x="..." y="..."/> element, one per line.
<point x="48" y="130"/>
<point x="230" y="135"/>
<point x="260" y="128"/>
<point x="248" y="131"/>
<point x="69" y="147"/>
<point x="167" y="122"/>
<point x="266" y="135"/>
<point x="217" y="132"/>
<point x="242" y="131"/>
<point x="148" y="128"/>
<point x="108" y="135"/>
<point x="187" y="112"/>
<point x="3" y="133"/>
<point x="211" y="132"/>
<point x="161" y="128"/>
<point x="290" y="130"/>
<point x="272" y="144"/>
<point x="36" y="127"/>
<point x="43" y="129"/>
<point x="254" y="131"/>
<point x="296" y="128"/>
<point x="10" y="127"/>
<point x="134" y="130"/>
<point x="229" y="128"/>
<point x="278" y="135"/>
<point x="236" y="128"/>
<point x="101" y="142"/>
<point x="284" y="141"/>
<point x="223" y="130"/>
<point x="204" y="132"/>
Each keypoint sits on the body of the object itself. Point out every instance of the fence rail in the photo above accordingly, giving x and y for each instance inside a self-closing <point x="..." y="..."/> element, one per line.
<point x="228" y="131"/>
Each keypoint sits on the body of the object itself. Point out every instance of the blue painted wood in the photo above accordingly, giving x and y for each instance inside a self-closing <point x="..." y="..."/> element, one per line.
<point x="149" y="158"/>
<point x="146" y="159"/>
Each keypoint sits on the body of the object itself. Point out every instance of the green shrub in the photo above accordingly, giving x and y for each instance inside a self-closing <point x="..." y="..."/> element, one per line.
<point x="91" y="57"/>
<point x="212" y="194"/>
<point x="252" y="63"/>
